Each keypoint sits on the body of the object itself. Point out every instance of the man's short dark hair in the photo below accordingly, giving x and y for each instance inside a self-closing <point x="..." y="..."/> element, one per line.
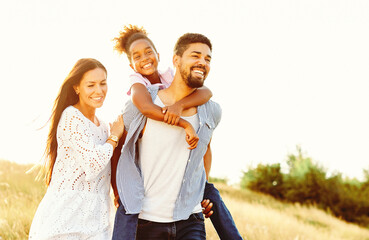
<point x="185" y="40"/>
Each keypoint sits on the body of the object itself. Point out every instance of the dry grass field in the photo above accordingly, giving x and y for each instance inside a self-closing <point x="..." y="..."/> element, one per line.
<point x="257" y="216"/>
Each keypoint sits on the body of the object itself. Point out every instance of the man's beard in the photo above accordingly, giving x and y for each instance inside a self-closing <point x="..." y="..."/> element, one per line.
<point x="191" y="81"/>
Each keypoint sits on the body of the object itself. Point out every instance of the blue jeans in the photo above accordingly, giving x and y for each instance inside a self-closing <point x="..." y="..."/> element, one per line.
<point x="222" y="219"/>
<point x="191" y="229"/>
<point x="125" y="225"/>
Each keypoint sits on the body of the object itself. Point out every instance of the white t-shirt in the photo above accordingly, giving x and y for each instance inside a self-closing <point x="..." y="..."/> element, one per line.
<point x="163" y="155"/>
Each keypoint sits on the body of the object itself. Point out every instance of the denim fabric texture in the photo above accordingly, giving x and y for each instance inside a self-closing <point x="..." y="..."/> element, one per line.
<point x="191" y="229"/>
<point x="125" y="225"/>
<point x="222" y="219"/>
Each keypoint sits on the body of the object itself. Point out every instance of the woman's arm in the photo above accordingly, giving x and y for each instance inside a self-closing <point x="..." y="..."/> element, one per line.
<point x="91" y="156"/>
<point x="141" y="98"/>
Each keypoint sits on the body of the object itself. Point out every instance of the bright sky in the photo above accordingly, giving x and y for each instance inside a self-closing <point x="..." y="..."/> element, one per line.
<point x="285" y="72"/>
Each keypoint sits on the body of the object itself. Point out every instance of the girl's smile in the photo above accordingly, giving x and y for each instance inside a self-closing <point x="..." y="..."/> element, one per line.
<point x="144" y="60"/>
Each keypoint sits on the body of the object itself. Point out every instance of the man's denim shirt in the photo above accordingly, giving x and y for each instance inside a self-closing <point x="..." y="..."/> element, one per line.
<point x="129" y="180"/>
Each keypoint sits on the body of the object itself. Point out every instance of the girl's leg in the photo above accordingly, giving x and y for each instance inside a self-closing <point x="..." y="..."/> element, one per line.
<point x="125" y="225"/>
<point x="222" y="219"/>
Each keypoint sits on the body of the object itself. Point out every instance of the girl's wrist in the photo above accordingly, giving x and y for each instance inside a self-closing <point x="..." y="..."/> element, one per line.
<point x="180" y="105"/>
<point x="183" y="123"/>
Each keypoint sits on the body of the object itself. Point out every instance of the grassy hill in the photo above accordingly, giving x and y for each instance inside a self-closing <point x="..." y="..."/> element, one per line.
<point x="257" y="216"/>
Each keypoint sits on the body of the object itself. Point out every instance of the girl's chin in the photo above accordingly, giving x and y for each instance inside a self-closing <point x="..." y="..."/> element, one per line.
<point x="149" y="72"/>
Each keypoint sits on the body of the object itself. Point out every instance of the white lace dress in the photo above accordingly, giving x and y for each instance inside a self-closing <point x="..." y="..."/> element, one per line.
<point x="77" y="204"/>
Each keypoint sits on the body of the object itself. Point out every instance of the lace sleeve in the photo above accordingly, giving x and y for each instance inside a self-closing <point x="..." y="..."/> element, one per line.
<point x="92" y="157"/>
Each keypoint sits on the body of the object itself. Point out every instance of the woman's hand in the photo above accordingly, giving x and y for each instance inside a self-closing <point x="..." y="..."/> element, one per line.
<point x="117" y="127"/>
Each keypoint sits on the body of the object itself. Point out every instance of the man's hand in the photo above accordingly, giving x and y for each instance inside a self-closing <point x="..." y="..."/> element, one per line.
<point x="206" y="208"/>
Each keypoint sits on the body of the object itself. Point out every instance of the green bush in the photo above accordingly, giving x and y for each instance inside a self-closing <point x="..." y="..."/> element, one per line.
<point x="266" y="179"/>
<point x="306" y="182"/>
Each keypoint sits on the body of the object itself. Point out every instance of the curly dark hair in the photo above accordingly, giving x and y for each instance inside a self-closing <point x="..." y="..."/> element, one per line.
<point x="126" y="37"/>
<point x="185" y="40"/>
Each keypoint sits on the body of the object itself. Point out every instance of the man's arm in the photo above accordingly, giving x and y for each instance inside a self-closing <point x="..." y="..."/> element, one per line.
<point x="206" y="203"/>
<point x="114" y="164"/>
<point x="207" y="161"/>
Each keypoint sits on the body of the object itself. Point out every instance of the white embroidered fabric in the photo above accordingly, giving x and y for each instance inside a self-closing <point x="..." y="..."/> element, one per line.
<point x="77" y="204"/>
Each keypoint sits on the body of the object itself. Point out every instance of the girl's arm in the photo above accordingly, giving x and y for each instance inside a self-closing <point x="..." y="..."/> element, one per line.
<point x="142" y="100"/>
<point x="199" y="97"/>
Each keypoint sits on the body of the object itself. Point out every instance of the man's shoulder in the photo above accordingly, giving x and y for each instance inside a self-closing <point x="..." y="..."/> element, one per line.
<point x="212" y="106"/>
<point x="213" y="111"/>
<point x="153" y="90"/>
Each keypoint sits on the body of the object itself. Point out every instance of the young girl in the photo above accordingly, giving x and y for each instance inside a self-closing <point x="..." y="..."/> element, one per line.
<point x="77" y="204"/>
<point x="144" y="59"/>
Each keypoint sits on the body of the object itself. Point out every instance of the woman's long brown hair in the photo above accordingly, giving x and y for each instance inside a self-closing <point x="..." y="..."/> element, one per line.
<point x="66" y="97"/>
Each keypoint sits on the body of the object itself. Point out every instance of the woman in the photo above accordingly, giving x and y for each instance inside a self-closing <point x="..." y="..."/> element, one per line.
<point x="77" y="204"/>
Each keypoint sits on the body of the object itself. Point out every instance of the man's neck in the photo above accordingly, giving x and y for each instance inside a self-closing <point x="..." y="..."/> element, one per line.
<point x="175" y="92"/>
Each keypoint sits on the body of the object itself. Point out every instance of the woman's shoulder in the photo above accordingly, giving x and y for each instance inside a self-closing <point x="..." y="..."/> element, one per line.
<point x="70" y="112"/>
<point x="72" y="116"/>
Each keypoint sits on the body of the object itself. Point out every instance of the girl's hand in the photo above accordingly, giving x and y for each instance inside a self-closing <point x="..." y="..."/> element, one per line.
<point x="191" y="137"/>
<point x="206" y="207"/>
<point x="172" y="113"/>
<point x="117" y="127"/>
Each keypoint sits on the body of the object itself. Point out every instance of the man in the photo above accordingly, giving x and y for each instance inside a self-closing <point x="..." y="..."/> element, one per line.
<point x="158" y="177"/>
